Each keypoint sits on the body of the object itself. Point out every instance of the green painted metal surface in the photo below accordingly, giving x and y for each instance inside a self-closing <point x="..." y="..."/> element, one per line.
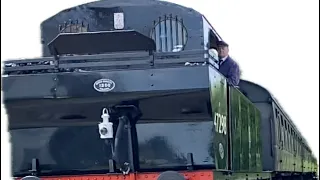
<point x="242" y="175"/>
<point x="246" y="139"/>
<point x="246" y="147"/>
<point x="218" y="96"/>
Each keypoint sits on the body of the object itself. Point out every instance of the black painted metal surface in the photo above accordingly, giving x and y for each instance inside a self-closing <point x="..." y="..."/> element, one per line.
<point x="165" y="144"/>
<point x="77" y="85"/>
<point x="100" y="42"/>
<point x="59" y="149"/>
<point x="142" y="16"/>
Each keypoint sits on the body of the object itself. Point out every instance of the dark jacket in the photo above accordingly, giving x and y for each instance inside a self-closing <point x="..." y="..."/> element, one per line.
<point x="230" y="69"/>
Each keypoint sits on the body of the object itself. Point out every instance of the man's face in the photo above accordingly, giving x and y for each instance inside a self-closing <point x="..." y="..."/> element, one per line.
<point x="223" y="51"/>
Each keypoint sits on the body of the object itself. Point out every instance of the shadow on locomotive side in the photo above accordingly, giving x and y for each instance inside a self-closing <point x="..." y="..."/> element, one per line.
<point x="167" y="111"/>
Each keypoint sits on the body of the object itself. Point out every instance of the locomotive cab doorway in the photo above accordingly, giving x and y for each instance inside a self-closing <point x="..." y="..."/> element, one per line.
<point x="210" y="41"/>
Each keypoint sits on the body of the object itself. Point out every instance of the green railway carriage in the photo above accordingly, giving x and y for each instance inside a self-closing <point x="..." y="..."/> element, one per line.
<point x="167" y="111"/>
<point x="284" y="148"/>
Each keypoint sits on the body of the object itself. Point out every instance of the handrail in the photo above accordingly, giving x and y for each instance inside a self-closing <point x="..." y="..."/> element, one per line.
<point x="123" y="60"/>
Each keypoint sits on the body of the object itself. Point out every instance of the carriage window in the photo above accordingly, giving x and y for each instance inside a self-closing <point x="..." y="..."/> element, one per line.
<point x="291" y="139"/>
<point x="298" y="143"/>
<point x="282" y="129"/>
<point x="169" y="34"/>
<point x="295" y="142"/>
<point x="279" y="130"/>
<point x="286" y="125"/>
<point x="286" y="139"/>
<point x="279" y="124"/>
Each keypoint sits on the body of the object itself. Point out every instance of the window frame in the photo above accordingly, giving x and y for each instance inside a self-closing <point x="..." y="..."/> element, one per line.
<point x="209" y="31"/>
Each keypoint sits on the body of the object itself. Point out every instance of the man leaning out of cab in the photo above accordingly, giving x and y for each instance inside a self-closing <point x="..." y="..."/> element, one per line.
<point x="227" y="66"/>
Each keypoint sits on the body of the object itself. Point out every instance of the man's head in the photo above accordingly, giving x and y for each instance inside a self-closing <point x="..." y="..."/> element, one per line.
<point x="223" y="49"/>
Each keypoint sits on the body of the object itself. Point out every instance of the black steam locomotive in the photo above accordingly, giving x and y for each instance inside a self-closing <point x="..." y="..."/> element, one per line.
<point x="148" y="64"/>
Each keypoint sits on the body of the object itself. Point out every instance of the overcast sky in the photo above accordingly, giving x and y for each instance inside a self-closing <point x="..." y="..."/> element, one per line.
<point x="276" y="43"/>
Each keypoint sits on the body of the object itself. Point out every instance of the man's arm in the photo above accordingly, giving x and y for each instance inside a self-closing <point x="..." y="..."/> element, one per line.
<point x="234" y="75"/>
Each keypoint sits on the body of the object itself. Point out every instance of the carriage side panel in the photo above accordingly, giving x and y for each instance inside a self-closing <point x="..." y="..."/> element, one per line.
<point x="246" y="141"/>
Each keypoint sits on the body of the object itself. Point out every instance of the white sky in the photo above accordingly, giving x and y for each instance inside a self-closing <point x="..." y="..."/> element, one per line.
<point x="276" y="43"/>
